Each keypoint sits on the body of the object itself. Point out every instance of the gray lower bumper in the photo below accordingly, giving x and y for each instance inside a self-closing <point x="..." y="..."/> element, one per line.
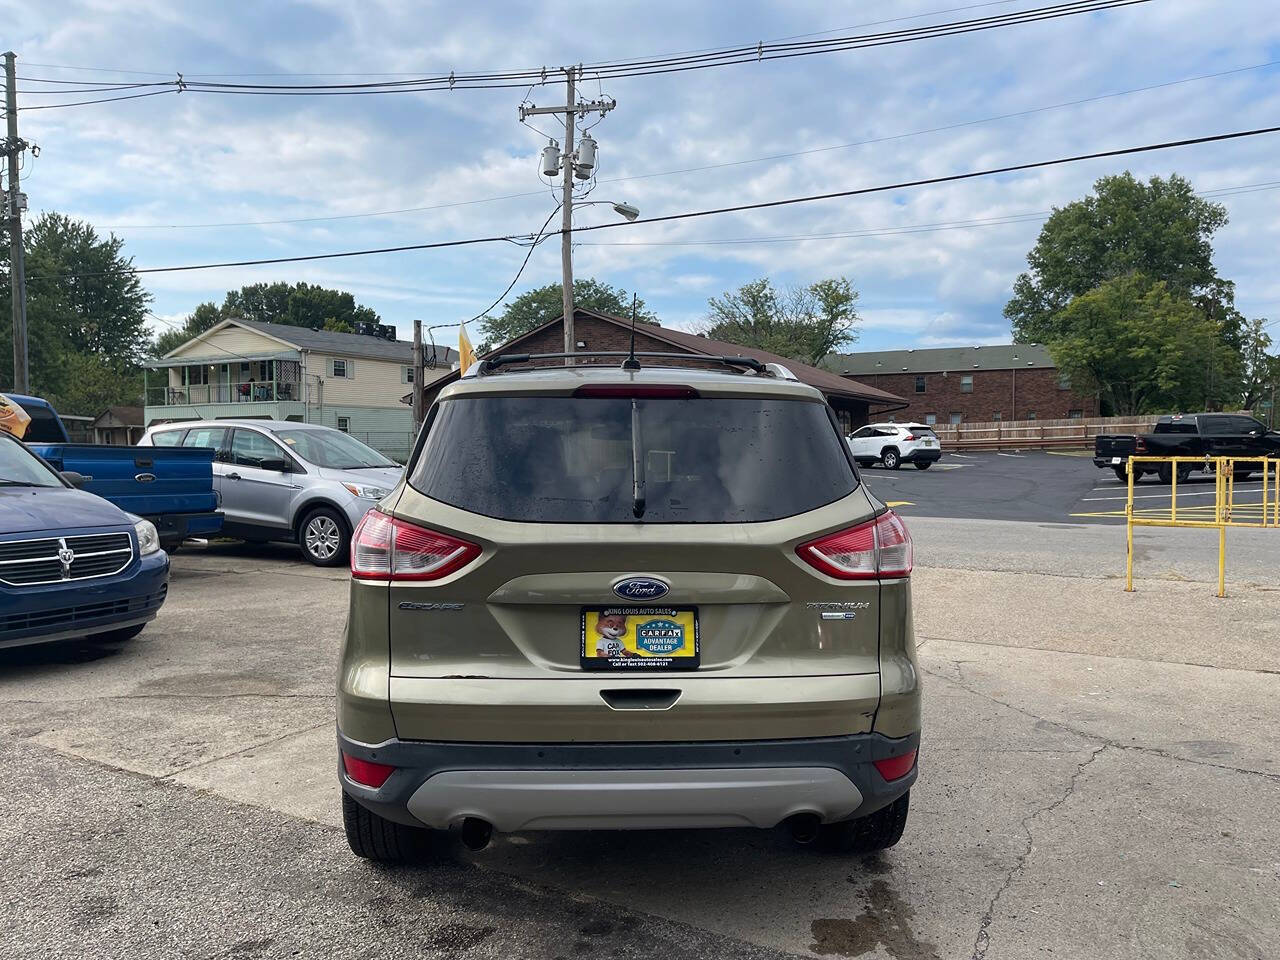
<point x="630" y="786"/>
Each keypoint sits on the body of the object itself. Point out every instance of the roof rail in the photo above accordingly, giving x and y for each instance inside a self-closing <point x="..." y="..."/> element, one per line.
<point x="779" y="371"/>
<point x="492" y="364"/>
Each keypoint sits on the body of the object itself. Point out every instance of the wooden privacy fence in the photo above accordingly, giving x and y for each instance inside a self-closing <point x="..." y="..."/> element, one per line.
<point x="997" y="434"/>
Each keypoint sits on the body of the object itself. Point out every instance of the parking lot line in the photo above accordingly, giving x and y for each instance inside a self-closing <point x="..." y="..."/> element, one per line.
<point x="1165" y="496"/>
<point x="899" y="503"/>
<point x="1016" y="456"/>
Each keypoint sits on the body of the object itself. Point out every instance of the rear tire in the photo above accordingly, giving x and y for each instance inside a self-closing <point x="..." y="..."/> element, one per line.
<point x="923" y="464"/>
<point x="117" y="636"/>
<point x="377" y="838"/>
<point x="877" y="831"/>
<point x="890" y="459"/>
<point x="1121" y="475"/>
<point x="1165" y="473"/>
<point x="324" y="537"/>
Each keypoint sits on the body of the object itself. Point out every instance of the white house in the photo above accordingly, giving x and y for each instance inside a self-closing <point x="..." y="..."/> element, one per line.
<point x="243" y="368"/>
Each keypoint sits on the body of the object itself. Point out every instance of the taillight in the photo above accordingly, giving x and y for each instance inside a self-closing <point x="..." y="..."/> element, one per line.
<point x="895" y="768"/>
<point x="910" y="436"/>
<point x="1139" y="445"/>
<point x="877" y="548"/>
<point x="366" y="772"/>
<point x="384" y="548"/>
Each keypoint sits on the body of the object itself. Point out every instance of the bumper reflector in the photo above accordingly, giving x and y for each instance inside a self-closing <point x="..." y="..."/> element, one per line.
<point x="895" y="768"/>
<point x="366" y="772"/>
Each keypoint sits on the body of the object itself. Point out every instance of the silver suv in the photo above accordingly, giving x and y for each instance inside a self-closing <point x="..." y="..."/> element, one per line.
<point x="281" y="480"/>
<point x="612" y="598"/>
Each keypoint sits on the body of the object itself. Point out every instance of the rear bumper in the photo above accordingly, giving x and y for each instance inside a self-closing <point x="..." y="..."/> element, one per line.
<point x="922" y="455"/>
<point x="614" y="786"/>
<point x="1111" y="462"/>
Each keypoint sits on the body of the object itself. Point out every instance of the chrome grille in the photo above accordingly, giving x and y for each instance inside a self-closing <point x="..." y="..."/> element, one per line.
<point x="25" y="563"/>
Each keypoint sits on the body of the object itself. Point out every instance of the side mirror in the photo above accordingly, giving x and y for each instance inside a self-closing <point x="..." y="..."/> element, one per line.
<point x="77" y="480"/>
<point x="278" y="464"/>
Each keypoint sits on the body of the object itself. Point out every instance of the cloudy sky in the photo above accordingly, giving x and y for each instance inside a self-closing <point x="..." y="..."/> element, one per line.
<point x="933" y="265"/>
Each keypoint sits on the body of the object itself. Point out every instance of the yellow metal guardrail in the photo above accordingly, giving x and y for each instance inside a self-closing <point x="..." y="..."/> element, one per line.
<point x="1225" y="510"/>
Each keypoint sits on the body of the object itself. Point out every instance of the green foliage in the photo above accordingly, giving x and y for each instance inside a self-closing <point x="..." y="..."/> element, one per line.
<point x="89" y="384"/>
<point x="1144" y="347"/>
<point x="535" y="307"/>
<point x="1260" y="369"/>
<point x="298" y="304"/>
<point x="1160" y="229"/>
<point x="86" y="316"/>
<point x="803" y="323"/>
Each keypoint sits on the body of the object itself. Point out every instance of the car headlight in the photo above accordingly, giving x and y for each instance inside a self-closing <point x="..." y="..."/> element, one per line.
<point x="366" y="492"/>
<point x="148" y="537"/>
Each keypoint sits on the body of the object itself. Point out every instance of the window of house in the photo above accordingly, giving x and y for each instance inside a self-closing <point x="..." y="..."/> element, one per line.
<point x="966" y="383"/>
<point x="1031" y="415"/>
<point x="1064" y="382"/>
<point x="997" y="415"/>
<point x="919" y="384"/>
<point x="957" y="418"/>
<point x="1075" y="414"/>
<point x="344" y="424"/>
<point x="406" y="375"/>
<point x="931" y="418"/>
<point x="343" y="369"/>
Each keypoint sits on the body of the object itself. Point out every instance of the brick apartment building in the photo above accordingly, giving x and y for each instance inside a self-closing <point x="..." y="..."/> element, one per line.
<point x="855" y="403"/>
<point x="969" y="384"/>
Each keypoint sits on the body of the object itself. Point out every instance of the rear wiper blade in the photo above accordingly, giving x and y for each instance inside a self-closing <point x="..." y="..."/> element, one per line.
<point x="637" y="463"/>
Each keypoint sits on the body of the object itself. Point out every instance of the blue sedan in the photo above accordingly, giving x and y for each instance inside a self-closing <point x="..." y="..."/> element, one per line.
<point x="71" y="564"/>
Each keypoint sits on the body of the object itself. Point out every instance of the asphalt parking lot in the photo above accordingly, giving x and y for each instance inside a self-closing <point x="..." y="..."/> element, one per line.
<point x="1037" y="487"/>
<point x="1100" y="778"/>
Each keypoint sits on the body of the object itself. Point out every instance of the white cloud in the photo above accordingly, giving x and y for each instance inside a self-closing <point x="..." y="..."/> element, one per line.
<point x="202" y="158"/>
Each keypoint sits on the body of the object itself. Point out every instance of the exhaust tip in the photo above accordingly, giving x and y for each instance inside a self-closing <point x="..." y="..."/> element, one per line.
<point x="804" y="827"/>
<point x="475" y="833"/>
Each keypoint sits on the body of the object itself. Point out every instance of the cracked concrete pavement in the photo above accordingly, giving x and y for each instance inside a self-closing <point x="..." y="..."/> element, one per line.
<point x="1100" y="777"/>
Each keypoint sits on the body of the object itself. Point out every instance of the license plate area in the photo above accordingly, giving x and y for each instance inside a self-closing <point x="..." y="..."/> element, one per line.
<point x="640" y="638"/>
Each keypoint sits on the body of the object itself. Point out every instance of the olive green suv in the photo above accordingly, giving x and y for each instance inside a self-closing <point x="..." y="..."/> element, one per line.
<point x="631" y="598"/>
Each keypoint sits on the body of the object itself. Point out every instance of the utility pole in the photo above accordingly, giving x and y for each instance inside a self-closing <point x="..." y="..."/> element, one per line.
<point x="419" y="375"/>
<point x="566" y="221"/>
<point x="573" y="162"/>
<point x="14" y="202"/>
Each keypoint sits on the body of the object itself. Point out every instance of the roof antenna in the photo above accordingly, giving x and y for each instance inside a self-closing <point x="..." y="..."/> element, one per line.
<point x="631" y="363"/>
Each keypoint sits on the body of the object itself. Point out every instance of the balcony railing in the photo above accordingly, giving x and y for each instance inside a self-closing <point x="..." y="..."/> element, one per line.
<point x="259" y="391"/>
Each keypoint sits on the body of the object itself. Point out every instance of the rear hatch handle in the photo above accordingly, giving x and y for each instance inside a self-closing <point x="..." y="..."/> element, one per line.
<point x="635" y="698"/>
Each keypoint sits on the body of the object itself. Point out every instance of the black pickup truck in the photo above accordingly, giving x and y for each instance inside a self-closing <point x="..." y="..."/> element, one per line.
<point x="1187" y="435"/>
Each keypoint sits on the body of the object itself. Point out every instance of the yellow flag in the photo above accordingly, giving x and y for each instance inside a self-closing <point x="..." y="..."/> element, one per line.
<point x="466" y="353"/>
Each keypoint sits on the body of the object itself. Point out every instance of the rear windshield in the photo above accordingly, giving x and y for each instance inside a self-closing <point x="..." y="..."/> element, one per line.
<point x="1176" y="426"/>
<point x="571" y="460"/>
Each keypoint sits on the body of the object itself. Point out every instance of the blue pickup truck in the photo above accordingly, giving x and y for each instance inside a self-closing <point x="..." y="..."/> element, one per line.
<point x="71" y="564"/>
<point x="170" y="486"/>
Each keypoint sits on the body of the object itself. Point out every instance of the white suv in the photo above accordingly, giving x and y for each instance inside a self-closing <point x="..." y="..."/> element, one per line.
<point x="894" y="444"/>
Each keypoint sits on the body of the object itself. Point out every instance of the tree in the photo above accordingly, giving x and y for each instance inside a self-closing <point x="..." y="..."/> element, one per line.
<point x="86" y="315"/>
<point x="299" y="304"/>
<point x="535" y="307"/>
<point x="803" y="323"/>
<point x="1142" y="346"/>
<point x="334" y="325"/>
<point x="1160" y="229"/>
<point x="202" y="318"/>
<point x="1260" y="369"/>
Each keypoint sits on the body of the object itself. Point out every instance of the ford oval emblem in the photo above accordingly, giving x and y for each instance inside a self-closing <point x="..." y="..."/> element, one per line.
<point x="641" y="588"/>
<point x="145" y="477"/>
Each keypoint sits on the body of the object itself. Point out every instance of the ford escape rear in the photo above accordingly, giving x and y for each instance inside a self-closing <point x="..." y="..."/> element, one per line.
<point x="612" y="599"/>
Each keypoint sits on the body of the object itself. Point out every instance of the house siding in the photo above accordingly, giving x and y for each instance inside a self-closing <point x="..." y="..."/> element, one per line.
<point x="387" y="430"/>
<point x="1014" y="394"/>
<point x="375" y="383"/>
<point x="231" y="343"/>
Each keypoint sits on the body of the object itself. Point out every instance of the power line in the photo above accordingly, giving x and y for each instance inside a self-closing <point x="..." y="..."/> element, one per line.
<point x="711" y="166"/>
<point x="81" y="103"/>
<point x="728" y="56"/>
<point x="416" y="73"/>
<point x="716" y="211"/>
<point x="904" y="229"/>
